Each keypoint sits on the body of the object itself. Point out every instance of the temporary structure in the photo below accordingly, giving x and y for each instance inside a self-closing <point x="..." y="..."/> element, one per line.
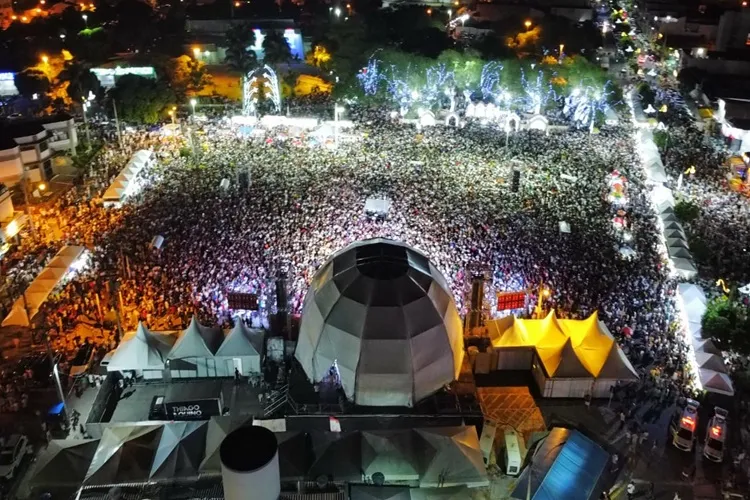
<point x="338" y="455"/>
<point x="572" y="354"/>
<point x="62" y="464"/>
<point x="566" y="464"/>
<point x="241" y="349"/>
<point x="717" y="382"/>
<point x="143" y="351"/>
<point x="25" y="308"/>
<point x="295" y="455"/>
<point x="180" y="450"/>
<point x="368" y="492"/>
<point x="124" y="455"/>
<point x="193" y="353"/>
<point x="457" y="459"/>
<point x="708" y="361"/>
<point x="216" y="431"/>
<point x="126" y="182"/>
<point x="393" y="454"/>
<point x="385" y="316"/>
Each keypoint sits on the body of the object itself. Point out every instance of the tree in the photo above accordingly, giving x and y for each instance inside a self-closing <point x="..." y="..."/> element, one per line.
<point x="276" y="49"/>
<point x="142" y="99"/>
<point x="686" y="211"/>
<point x="239" y="56"/>
<point x="319" y="57"/>
<point x="726" y="322"/>
<point x="81" y="81"/>
<point x="187" y="75"/>
<point x="31" y="82"/>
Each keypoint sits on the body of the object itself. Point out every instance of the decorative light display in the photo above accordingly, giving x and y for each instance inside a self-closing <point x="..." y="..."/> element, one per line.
<point x="251" y="89"/>
<point x="582" y="105"/>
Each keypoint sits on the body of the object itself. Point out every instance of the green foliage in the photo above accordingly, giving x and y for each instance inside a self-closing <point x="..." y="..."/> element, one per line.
<point x="726" y="322"/>
<point x="648" y="96"/>
<point x="81" y="81"/>
<point x="142" y="100"/>
<point x="30" y="82"/>
<point x="276" y="49"/>
<point x="239" y="56"/>
<point x="686" y="211"/>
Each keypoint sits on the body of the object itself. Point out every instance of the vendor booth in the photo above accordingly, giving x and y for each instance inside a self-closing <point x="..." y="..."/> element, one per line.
<point x="241" y="350"/>
<point x="193" y="353"/>
<point x="142" y="351"/>
<point x="567" y="357"/>
<point x="127" y="182"/>
<point x="68" y="259"/>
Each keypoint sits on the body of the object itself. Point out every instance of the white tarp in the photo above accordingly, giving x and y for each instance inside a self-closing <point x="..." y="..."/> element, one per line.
<point x="456" y="458"/>
<point x="125" y="182"/>
<point x="141" y="350"/>
<point x="380" y="206"/>
<point x="39" y="289"/>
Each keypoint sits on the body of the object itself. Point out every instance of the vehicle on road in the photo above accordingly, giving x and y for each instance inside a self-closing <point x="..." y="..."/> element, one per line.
<point x="12" y="454"/>
<point x="716" y="435"/>
<point x="684" y="425"/>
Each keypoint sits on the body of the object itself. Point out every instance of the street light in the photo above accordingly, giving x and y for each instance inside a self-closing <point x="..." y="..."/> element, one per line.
<point x="42" y="186"/>
<point x="45" y="59"/>
<point x="171" y="115"/>
<point x="337" y="11"/>
<point x="196" y="52"/>
<point x="193" y="103"/>
<point x="336" y="111"/>
<point x="85" y="19"/>
<point x="527" y="23"/>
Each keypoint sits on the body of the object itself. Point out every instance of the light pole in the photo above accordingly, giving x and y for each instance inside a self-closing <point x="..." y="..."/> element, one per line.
<point x="193" y="103"/>
<point x="85" y="20"/>
<point x="336" y="111"/>
<point x="85" y="106"/>
<point x="171" y="115"/>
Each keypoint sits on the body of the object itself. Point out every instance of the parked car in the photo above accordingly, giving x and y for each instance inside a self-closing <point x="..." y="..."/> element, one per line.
<point x="12" y="454"/>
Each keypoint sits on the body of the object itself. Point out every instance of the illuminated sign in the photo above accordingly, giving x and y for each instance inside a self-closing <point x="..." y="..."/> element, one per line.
<point x="7" y="77"/>
<point x="118" y="71"/>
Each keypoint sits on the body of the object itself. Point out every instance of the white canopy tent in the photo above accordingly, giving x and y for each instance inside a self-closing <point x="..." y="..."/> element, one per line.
<point x="63" y="463"/>
<point x="180" y="450"/>
<point x="126" y="182"/>
<point x="456" y="458"/>
<point x="66" y="260"/>
<point x="124" y="455"/>
<point x="719" y="383"/>
<point x="242" y="349"/>
<point x="143" y="351"/>
<point x="193" y="353"/>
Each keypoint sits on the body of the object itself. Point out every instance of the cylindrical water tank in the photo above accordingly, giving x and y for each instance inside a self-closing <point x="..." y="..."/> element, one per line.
<point x="250" y="464"/>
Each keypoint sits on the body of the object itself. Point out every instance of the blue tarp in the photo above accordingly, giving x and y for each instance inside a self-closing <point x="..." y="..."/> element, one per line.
<point x="567" y="465"/>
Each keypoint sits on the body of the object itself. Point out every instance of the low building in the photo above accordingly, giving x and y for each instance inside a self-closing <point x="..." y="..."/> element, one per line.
<point x="35" y="146"/>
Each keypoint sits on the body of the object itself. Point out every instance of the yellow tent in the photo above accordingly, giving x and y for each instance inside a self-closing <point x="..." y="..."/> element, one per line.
<point x="497" y="327"/>
<point x="515" y="336"/>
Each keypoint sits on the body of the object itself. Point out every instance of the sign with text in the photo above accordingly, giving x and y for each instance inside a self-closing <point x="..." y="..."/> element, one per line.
<point x="242" y="301"/>
<point x="510" y="300"/>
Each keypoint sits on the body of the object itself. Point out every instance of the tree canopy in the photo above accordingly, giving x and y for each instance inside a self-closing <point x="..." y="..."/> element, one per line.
<point x="726" y="322"/>
<point x="142" y="99"/>
<point x="239" y="56"/>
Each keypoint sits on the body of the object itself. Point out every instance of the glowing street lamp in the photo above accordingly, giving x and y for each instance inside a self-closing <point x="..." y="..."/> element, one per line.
<point x="45" y="59"/>
<point x="85" y="19"/>
<point x="171" y="115"/>
<point x="42" y="186"/>
<point x="527" y="23"/>
<point x="337" y="11"/>
<point x="193" y="103"/>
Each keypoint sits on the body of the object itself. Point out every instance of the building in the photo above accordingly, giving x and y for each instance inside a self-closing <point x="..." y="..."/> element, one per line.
<point x="35" y="146"/>
<point x="206" y="37"/>
<point x="11" y="221"/>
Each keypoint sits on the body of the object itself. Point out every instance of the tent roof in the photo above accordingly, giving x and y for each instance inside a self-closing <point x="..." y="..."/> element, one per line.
<point x="63" y="462"/>
<point x="394" y="454"/>
<point x="295" y="455"/>
<point x="180" y="450"/>
<point x="617" y="366"/>
<point x="496" y="327"/>
<point x="457" y="457"/>
<point x="714" y="381"/>
<point x="143" y="350"/>
<point x="196" y="341"/>
<point x="241" y="341"/>
<point x="514" y="336"/>
<point x="362" y="492"/>
<point x="570" y="366"/>
<point x="216" y="431"/>
<point x="125" y="454"/>
<point x="337" y="454"/>
<point x="705" y="345"/>
<point x="566" y="465"/>
<point x="710" y="361"/>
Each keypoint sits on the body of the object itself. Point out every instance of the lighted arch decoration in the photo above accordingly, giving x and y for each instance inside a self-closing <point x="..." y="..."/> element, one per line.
<point x="538" y="122"/>
<point x="481" y="110"/>
<point x="250" y="89"/>
<point x="512" y="122"/>
<point x="452" y="120"/>
<point x="427" y="119"/>
<point x="471" y="110"/>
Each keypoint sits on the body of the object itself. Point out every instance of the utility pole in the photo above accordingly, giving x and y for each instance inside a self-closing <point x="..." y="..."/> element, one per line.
<point x="25" y="189"/>
<point x="117" y="123"/>
<point x="114" y="288"/>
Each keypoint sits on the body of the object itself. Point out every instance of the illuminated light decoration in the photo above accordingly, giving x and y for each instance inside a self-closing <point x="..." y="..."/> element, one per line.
<point x="649" y="110"/>
<point x="582" y="105"/>
<point x="537" y="92"/>
<point x="490" y="78"/>
<point x="251" y="90"/>
<point x="370" y="77"/>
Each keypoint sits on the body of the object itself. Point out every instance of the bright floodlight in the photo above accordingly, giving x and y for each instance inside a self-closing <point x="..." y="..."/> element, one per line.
<point x="337" y="11"/>
<point x="193" y="102"/>
<point x="414" y="94"/>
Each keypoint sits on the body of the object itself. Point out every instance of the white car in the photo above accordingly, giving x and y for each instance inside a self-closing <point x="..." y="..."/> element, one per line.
<point x="12" y="454"/>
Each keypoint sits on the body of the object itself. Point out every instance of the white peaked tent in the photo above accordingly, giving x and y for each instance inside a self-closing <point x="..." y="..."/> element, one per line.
<point x="39" y="289"/>
<point x="124" y="455"/>
<point x="708" y="361"/>
<point x="719" y="383"/>
<point x="216" y="430"/>
<point x="662" y="197"/>
<point x="386" y="317"/>
<point x="393" y="453"/>
<point x="242" y="349"/>
<point x="193" y="353"/>
<point x="126" y="182"/>
<point x="143" y="351"/>
<point x="455" y="457"/>
<point x="62" y="464"/>
<point x="180" y="450"/>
